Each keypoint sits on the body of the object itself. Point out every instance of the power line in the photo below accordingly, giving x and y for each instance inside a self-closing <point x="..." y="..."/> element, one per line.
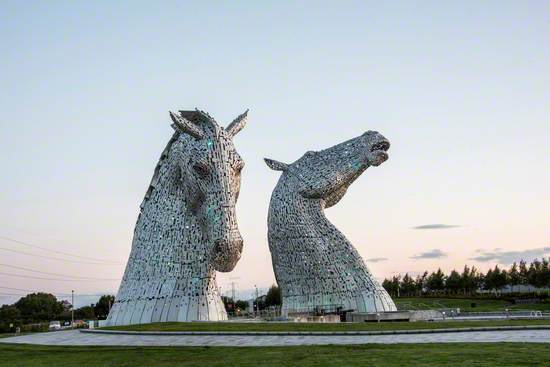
<point x="61" y="280"/>
<point x="56" y="294"/>
<point x="56" y="251"/>
<point x="19" y="289"/>
<point x="57" y="274"/>
<point x="54" y="258"/>
<point x="11" y="294"/>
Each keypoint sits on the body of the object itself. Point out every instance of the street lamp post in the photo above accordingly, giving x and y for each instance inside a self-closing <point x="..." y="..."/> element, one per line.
<point x="72" y="309"/>
<point x="257" y="308"/>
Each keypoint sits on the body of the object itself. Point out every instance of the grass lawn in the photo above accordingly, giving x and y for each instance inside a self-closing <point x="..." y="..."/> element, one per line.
<point x="467" y="355"/>
<point x="482" y="305"/>
<point x="296" y="326"/>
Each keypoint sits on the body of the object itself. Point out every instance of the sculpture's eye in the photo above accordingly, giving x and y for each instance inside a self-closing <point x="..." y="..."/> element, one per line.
<point x="200" y="170"/>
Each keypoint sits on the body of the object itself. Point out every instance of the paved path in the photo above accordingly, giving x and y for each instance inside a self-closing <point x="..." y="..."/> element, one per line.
<point x="74" y="337"/>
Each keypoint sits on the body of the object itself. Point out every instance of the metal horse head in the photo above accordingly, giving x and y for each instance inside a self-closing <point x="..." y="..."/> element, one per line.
<point x="210" y="174"/>
<point x="328" y="173"/>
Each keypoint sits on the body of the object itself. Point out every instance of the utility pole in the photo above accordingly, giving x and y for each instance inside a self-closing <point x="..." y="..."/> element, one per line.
<point x="257" y="306"/>
<point x="233" y="294"/>
<point x="72" y="309"/>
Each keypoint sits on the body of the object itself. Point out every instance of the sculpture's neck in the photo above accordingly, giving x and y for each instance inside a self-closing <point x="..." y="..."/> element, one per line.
<point x="167" y="239"/>
<point x="306" y="215"/>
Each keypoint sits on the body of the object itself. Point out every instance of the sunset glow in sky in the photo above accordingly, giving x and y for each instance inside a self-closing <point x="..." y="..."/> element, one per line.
<point x="460" y="90"/>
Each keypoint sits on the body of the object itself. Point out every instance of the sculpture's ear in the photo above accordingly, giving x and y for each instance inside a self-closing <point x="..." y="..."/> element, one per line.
<point x="276" y="165"/>
<point x="183" y="125"/>
<point x="237" y="125"/>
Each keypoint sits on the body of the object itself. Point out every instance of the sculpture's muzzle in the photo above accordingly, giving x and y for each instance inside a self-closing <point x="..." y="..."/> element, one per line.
<point x="226" y="253"/>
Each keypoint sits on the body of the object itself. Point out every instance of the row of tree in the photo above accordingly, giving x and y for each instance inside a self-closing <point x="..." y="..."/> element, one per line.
<point x="44" y="307"/>
<point x="471" y="280"/>
<point x="272" y="298"/>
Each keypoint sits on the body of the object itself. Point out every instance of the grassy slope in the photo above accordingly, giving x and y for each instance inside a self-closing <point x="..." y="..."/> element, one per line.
<point x="294" y="326"/>
<point x="465" y="304"/>
<point x="402" y="355"/>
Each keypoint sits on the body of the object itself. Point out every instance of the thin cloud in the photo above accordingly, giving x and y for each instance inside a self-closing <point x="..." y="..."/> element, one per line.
<point x="508" y="257"/>
<point x="432" y="254"/>
<point x="437" y="226"/>
<point x="376" y="259"/>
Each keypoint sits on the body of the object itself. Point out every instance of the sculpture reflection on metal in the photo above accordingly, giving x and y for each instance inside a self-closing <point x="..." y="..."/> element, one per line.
<point x="316" y="267"/>
<point x="186" y="229"/>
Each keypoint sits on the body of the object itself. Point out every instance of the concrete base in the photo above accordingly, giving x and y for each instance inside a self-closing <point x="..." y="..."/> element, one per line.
<point x="424" y="315"/>
<point x="313" y="318"/>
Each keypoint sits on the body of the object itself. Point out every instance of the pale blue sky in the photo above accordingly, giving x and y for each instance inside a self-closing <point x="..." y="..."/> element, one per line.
<point x="460" y="90"/>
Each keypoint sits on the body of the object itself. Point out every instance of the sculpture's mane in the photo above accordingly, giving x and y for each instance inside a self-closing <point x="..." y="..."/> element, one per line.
<point x="162" y="160"/>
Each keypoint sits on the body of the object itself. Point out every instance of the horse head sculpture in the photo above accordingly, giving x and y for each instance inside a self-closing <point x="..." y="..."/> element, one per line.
<point x="187" y="227"/>
<point x="328" y="173"/>
<point x="210" y="174"/>
<point x="316" y="267"/>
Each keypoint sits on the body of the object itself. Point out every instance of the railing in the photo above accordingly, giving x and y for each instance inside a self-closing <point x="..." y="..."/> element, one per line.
<point x="528" y="314"/>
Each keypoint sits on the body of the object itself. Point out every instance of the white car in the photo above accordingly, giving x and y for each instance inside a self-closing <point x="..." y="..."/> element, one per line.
<point x="54" y="325"/>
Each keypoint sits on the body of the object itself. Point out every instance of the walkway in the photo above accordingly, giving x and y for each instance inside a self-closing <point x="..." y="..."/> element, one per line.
<point x="74" y="337"/>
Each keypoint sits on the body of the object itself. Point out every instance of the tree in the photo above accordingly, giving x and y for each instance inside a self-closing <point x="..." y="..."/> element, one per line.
<point x="436" y="281"/>
<point x="407" y="286"/>
<point x="103" y="305"/>
<point x="523" y="273"/>
<point x="477" y="278"/>
<point x="392" y="286"/>
<point x="514" y="277"/>
<point x="420" y="283"/>
<point x="39" y="307"/>
<point x="85" y="313"/>
<point x="453" y="282"/>
<point x="495" y="279"/>
<point x="488" y="283"/>
<point x="10" y="317"/>
<point x="242" y="305"/>
<point x="470" y="279"/>
<point x="545" y="273"/>
<point x="273" y="297"/>
<point x="501" y="278"/>
<point x="9" y="314"/>
<point x="533" y="273"/>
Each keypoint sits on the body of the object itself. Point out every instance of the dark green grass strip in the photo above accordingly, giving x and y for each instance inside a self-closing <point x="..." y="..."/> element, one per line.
<point x="372" y="355"/>
<point x="295" y="326"/>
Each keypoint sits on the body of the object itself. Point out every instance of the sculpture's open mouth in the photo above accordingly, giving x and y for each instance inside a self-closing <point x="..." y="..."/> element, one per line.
<point x="381" y="145"/>
<point x="378" y="153"/>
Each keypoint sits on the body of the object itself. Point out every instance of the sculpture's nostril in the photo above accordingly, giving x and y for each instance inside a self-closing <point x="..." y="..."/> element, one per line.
<point x="225" y="253"/>
<point x="221" y="246"/>
<point x="218" y="246"/>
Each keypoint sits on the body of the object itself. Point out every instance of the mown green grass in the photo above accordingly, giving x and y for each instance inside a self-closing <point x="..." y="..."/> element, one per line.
<point x="297" y="326"/>
<point x="481" y="305"/>
<point x="372" y="355"/>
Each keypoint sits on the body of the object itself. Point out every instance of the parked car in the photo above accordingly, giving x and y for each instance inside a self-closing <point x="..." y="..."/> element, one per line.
<point x="54" y="325"/>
